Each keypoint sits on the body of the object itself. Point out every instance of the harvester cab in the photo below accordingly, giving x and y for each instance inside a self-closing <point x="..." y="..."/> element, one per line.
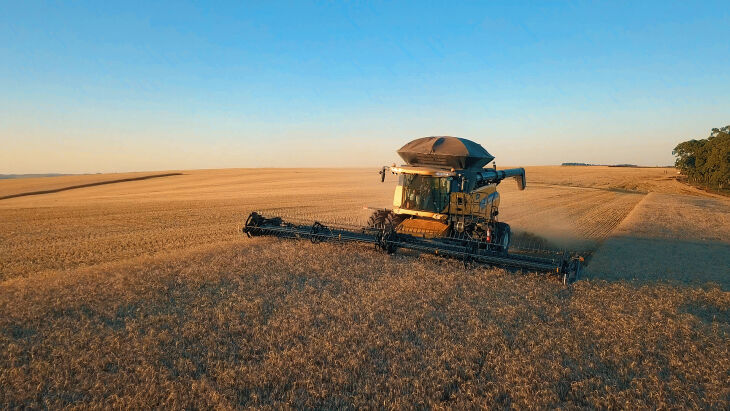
<point x="446" y="202"/>
<point x="444" y="191"/>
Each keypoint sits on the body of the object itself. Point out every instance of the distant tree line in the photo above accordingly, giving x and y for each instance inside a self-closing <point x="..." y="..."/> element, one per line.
<point x="591" y="165"/>
<point x="706" y="162"/>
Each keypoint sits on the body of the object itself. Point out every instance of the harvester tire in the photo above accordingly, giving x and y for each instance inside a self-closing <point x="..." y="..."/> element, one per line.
<point x="504" y="237"/>
<point x="384" y="220"/>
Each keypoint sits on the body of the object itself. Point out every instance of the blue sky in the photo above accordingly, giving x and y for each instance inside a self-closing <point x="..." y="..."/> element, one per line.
<point x="92" y="86"/>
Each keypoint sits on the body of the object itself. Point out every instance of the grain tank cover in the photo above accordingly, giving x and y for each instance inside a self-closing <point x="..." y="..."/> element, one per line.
<point x="445" y="152"/>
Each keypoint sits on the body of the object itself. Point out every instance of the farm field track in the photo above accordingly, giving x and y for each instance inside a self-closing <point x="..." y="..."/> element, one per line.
<point x="569" y="218"/>
<point x="670" y="236"/>
<point x="144" y="294"/>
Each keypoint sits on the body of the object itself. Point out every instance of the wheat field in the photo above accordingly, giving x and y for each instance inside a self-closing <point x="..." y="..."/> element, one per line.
<point x="144" y="294"/>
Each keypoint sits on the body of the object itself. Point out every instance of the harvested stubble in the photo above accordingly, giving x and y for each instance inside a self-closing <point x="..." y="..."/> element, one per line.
<point x="626" y="179"/>
<point x="89" y="226"/>
<point x="94" y="225"/>
<point x="283" y="323"/>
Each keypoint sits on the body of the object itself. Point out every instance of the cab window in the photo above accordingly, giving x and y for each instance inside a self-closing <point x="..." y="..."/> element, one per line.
<point x="425" y="193"/>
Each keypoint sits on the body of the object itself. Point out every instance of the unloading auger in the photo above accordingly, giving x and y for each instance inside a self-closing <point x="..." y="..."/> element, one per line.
<point x="446" y="203"/>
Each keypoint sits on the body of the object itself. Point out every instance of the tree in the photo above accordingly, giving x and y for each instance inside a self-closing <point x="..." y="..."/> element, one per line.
<point x="706" y="161"/>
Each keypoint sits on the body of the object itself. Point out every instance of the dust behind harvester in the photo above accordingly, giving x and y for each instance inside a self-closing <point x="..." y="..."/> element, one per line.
<point x="446" y="202"/>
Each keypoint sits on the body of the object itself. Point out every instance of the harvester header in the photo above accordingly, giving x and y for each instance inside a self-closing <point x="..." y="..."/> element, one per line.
<point x="445" y="202"/>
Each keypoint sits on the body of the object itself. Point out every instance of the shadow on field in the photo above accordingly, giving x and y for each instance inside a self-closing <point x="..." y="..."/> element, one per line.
<point x="653" y="259"/>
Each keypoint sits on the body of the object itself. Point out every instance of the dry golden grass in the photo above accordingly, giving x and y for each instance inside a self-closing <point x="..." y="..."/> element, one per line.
<point x="270" y="322"/>
<point x="143" y="294"/>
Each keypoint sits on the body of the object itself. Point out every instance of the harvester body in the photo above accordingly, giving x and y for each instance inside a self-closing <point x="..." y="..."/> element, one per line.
<point x="427" y="201"/>
<point x="444" y="190"/>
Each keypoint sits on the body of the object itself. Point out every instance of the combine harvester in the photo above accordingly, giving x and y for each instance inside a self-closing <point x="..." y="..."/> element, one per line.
<point x="446" y="203"/>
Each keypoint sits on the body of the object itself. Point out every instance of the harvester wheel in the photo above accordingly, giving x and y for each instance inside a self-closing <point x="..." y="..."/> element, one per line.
<point x="385" y="241"/>
<point x="504" y="237"/>
<point x="384" y="220"/>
